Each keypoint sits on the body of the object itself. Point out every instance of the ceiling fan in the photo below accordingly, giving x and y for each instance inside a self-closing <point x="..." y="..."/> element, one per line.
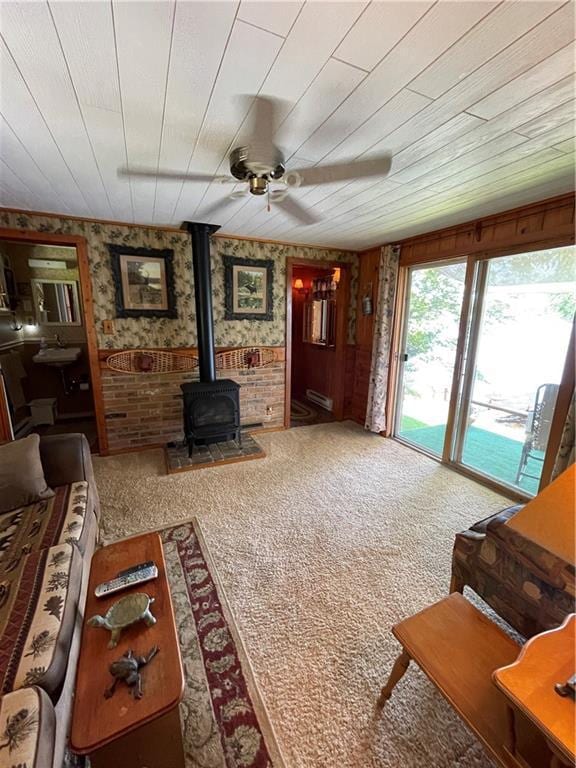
<point x="261" y="165"/>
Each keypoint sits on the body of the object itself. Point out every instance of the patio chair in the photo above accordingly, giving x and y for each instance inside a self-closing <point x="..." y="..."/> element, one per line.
<point x="537" y="430"/>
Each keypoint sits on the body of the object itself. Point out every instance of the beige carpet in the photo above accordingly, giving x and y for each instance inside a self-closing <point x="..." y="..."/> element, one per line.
<point x="322" y="547"/>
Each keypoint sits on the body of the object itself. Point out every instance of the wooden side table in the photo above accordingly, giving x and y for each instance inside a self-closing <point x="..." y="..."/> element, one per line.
<point x="458" y="648"/>
<point x="529" y="684"/>
<point x="121" y="730"/>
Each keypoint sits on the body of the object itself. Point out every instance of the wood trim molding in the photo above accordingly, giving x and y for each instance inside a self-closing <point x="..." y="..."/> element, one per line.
<point x="342" y="303"/>
<point x="159" y="228"/>
<point x="42" y="238"/>
<point x="465" y="311"/>
<point x="563" y="401"/>
<point x="395" y="344"/>
<point x="288" y="337"/>
<point x="222" y="236"/>
<point x="547" y="224"/>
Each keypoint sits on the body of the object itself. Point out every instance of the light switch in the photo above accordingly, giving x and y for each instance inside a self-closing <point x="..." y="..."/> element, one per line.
<point x="108" y="327"/>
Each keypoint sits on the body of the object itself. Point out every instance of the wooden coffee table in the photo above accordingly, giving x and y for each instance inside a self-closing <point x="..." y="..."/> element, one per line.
<point x="459" y="648"/>
<point x="121" y="730"/>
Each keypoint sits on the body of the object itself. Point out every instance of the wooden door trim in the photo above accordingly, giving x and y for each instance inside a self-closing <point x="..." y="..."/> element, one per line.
<point x="563" y="400"/>
<point x="471" y="351"/>
<point x="396" y="349"/>
<point x="342" y="305"/>
<point x="467" y="304"/>
<point x="288" y="352"/>
<point x="44" y="238"/>
<point x="341" y="325"/>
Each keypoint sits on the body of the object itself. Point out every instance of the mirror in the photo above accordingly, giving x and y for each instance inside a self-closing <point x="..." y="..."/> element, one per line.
<point x="319" y="322"/>
<point x="56" y="302"/>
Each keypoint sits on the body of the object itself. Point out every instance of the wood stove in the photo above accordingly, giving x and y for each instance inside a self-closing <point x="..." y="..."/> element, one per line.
<point x="211" y="412"/>
<point x="211" y="405"/>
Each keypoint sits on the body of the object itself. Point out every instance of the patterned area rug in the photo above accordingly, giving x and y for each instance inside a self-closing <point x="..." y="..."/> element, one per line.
<point x="224" y="722"/>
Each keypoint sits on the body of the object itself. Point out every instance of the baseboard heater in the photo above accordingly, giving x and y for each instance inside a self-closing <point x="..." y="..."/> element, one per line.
<point x="321" y="400"/>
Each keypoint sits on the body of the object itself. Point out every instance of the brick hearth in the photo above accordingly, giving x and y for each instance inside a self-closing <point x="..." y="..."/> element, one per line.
<point x="146" y="408"/>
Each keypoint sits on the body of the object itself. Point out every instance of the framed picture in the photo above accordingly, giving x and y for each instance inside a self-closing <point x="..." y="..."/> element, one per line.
<point x="248" y="285"/>
<point x="144" y="281"/>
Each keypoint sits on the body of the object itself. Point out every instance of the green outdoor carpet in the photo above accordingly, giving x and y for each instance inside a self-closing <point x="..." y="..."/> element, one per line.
<point x="485" y="451"/>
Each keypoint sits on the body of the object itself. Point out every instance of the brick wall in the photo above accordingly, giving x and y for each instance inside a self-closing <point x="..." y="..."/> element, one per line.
<point x="146" y="408"/>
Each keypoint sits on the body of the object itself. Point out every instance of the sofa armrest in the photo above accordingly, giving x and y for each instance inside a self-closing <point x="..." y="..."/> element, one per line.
<point x="66" y="459"/>
<point x="496" y="520"/>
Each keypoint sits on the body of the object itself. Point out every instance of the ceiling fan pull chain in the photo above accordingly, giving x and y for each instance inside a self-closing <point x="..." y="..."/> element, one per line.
<point x="268" y="199"/>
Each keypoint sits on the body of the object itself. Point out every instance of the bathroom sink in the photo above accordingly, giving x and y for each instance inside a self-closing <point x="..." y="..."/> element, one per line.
<point x="57" y="356"/>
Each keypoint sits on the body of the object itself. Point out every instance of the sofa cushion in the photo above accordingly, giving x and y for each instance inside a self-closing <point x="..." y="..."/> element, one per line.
<point x="28" y="721"/>
<point x="63" y="518"/>
<point x="21" y="475"/>
<point x="38" y="604"/>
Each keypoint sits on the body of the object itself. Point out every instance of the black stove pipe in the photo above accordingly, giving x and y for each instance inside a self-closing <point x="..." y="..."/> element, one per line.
<point x="200" y="234"/>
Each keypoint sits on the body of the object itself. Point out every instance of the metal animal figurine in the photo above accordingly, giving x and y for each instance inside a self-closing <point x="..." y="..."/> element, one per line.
<point x="127" y="668"/>
<point x="122" y="614"/>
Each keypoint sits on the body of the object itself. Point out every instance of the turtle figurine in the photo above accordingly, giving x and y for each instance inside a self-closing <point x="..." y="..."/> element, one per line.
<point x="127" y="668"/>
<point x="122" y="614"/>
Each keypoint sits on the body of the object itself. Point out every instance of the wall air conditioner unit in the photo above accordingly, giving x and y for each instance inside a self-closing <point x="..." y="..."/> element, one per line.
<point x="321" y="400"/>
<point x="46" y="264"/>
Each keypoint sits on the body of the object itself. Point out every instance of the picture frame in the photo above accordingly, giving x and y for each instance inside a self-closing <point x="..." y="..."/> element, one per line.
<point x="144" y="281"/>
<point x="248" y="288"/>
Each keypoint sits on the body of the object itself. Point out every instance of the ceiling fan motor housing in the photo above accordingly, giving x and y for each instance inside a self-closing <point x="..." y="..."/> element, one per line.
<point x="245" y="165"/>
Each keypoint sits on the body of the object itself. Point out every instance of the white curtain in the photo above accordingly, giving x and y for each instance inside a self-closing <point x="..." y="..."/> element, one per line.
<point x="383" y="323"/>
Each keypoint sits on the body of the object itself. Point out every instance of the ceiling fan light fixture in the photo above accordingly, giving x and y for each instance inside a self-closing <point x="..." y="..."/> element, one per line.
<point x="258" y="185"/>
<point x="293" y="179"/>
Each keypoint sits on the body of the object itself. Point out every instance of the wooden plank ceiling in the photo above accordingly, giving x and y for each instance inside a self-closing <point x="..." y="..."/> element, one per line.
<point x="474" y="102"/>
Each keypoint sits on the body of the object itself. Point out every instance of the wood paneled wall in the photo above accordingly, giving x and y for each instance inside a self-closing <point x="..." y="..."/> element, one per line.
<point x="549" y="223"/>
<point x="367" y="285"/>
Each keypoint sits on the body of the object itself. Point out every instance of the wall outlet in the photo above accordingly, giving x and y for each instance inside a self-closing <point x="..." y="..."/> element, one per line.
<point x="108" y="327"/>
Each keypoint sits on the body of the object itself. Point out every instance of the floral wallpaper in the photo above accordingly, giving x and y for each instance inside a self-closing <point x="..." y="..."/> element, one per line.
<point x="181" y="332"/>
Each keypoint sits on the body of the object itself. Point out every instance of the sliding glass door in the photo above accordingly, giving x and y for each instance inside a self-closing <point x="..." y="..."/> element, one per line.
<point x="433" y="306"/>
<point x="519" y="334"/>
<point x="508" y="325"/>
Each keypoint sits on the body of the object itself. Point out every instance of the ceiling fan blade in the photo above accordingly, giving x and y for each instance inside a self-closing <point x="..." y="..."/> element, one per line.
<point x="296" y="211"/>
<point x="152" y="173"/>
<point x="220" y="205"/>
<point x="263" y="118"/>
<point x="355" y="169"/>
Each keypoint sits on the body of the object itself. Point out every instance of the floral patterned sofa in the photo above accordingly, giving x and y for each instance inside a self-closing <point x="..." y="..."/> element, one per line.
<point x="45" y="553"/>
<point x="527" y="585"/>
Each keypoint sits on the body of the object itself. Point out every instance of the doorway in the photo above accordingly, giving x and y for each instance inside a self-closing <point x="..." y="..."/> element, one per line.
<point x="316" y="321"/>
<point x="48" y="352"/>
<point x="483" y="349"/>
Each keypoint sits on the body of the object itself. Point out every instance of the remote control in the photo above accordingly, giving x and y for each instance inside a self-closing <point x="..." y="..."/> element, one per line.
<point x="137" y="574"/>
<point x="133" y="568"/>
